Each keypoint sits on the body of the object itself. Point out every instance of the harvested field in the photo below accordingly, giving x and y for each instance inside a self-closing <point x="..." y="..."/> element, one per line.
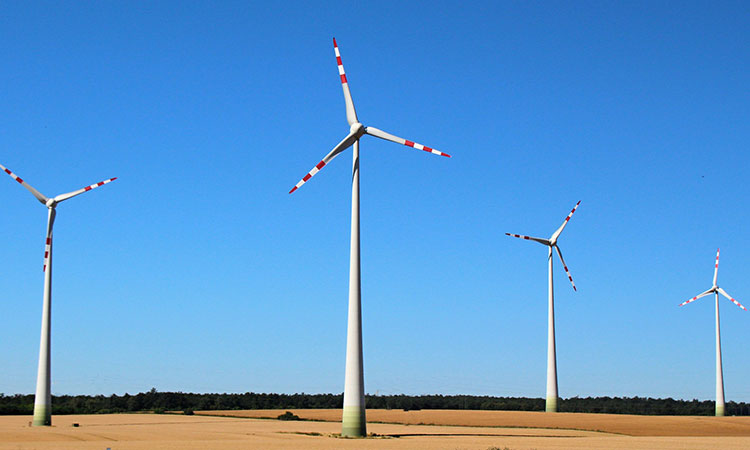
<point x="630" y="425"/>
<point x="172" y="432"/>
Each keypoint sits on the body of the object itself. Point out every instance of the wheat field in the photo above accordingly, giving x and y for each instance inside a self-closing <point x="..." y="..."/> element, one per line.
<point x="481" y="430"/>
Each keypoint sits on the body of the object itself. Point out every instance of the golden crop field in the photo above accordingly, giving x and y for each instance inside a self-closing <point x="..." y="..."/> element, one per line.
<point x="610" y="423"/>
<point x="480" y="430"/>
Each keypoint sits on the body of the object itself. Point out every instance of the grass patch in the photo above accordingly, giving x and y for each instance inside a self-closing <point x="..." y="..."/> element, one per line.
<point x="304" y="433"/>
<point x="288" y="416"/>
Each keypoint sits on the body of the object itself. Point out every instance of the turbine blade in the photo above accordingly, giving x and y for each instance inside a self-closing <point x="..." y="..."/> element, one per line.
<point x="529" y="238"/>
<point x="33" y="191"/>
<point x="716" y="268"/>
<point x="63" y="197"/>
<point x="372" y="131"/>
<point x="724" y="293"/>
<point x="48" y="242"/>
<point x="343" y="145"/>
<point x="351" y="114"/>
<point x="565" y="222"/>
<point x="559" y="253"/>
<point x="708" y="292"/>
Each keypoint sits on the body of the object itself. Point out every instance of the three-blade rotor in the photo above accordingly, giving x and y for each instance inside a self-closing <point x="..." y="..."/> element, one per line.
<point x="52" y="202"/>
<point x="552" y="242"/>
<point x="715" y="288"/>
<point x="356" y="129"/>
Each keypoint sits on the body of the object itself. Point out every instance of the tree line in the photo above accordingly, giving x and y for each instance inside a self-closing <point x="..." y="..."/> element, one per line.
<point x="153" y="400"/>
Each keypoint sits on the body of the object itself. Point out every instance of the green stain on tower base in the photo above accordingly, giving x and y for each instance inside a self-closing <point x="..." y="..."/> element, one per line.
<point x="719" y="410"/>
<point x="551" y="404"/>
<point x="353" y="422"/>
<point x="42" y="416"/>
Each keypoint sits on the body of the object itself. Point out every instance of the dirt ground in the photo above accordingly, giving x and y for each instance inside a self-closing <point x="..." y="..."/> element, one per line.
<point x="172" y="432"/>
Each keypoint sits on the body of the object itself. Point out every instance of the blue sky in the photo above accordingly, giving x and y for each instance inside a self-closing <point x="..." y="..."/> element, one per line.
<point x="196" y="271"/>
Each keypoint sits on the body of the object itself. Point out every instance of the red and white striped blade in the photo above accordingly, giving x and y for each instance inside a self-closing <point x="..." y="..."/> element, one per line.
<point x="351" y="114"/>
<point x="33" y="191"/>
<point x="343" y="145"/>
<point x="48" y="242"/>
<point x="529" y="238"/>
<point x="724" y="293"/>
<point x="559" y="253"/>
<point x="372" y="131"/>
<point x="63" y="197"/>
<point x="716" y="268"/>
<point x="708" y="292"/>
<point x="565" y="222"/>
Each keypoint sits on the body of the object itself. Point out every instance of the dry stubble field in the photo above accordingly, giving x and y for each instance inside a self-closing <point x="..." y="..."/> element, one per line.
<point x="405" y="430"/>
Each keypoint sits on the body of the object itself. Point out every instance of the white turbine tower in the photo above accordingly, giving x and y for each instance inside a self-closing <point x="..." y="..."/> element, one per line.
<point x="43" y="397"/>
<point x="353" y="419"/>
<point x="551" y="405"/>
<point x="716" y="290"/>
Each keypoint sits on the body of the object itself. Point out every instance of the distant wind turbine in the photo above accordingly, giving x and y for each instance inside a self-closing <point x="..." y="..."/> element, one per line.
<point x="716" y="290"/>
<point x="353" y="419"/>
<point x="43" y="397"/>
<point x="551" y="404"/>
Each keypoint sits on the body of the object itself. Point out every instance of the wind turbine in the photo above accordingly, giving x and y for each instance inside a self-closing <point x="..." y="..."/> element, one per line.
<point x="551" y="405"/>
<point x="716" y="290"/>
<point x="43" y="397"/>
<point x="353" y="419"/>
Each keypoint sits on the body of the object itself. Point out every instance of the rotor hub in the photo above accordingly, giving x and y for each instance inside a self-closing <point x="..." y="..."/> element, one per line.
<point x="357" y="128"/>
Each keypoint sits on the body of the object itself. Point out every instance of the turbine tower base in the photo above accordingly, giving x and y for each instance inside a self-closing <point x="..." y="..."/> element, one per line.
<point x="42" y="416"/>
<point x="353" y="423"/>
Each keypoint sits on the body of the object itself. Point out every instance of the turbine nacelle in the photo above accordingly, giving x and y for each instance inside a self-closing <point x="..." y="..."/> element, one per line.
<point x="357" y="129"/>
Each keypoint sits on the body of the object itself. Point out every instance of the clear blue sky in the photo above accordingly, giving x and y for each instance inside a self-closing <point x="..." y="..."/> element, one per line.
<point x="196" y="271"/>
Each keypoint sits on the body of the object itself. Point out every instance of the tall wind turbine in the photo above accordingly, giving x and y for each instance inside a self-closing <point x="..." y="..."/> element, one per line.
<point x="551" y="405"/>
<point x="716" y="290"/>
<point x="353" y="419"/>
<point x="43" y="397"/>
